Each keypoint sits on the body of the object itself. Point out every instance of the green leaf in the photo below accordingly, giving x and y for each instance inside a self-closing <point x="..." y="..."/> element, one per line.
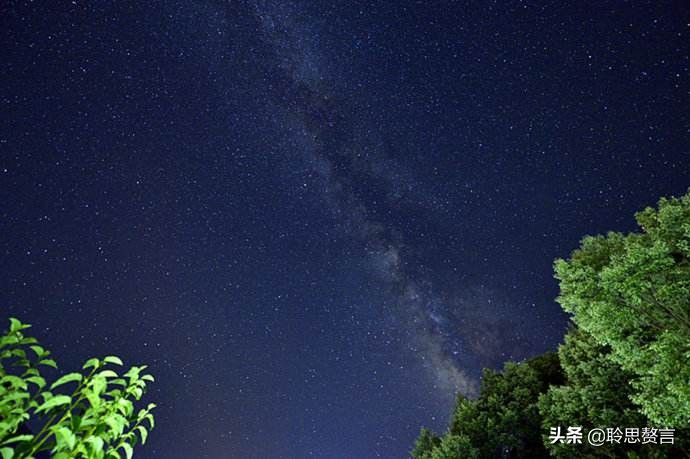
<point x="125" y="407"/>
<point x="7" y="453"/>
<point x="18" y="438"/>
<point x="13" y="396"/>
<point x="64" y="439"/>
<point x="22" y="363"/>
<point x="99" y="384"/>
<point x="68" y="378"/>
<point x="53" y="402"/>
<point x="93" y="398"/>
<point x="114" y="393"/>
<point x="149" y="417"/>
<point x="39" y="351"/>
<point x="18" y="353"/>
<point x="32" y="372"/>
<point x="144" y="434"/>
<point x="15" y="381"/>
<point x="118" y="382"/>
<point x="48" y="363"/>
<point x="113" y="360"/>
<point x="133" y="373"/>
<point x="16" y="325"/>
<point x="108" y="374"/>
<point x="116" y="423"/>
<point x="96" y="444"/>
<point x="37" y="380"/>
<point x="129" y="452"/>
<point x="137" y="392"/>
<point x="95" y="363"/>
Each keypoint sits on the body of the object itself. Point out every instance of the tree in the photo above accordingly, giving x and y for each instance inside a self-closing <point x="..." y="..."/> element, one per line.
<point x="632" y="293"/>
<point x="453" y="447"/>
<point x="96" y="419"/>
<point x="426" y="442"/>
<point x="507" y="409"/>
<point x="625" y="365"/>
<point x="596" y="394"/>
<point x="504" y="421"/>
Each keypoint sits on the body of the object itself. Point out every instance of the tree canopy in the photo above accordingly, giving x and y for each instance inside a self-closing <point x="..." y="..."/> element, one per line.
<point x="504" y="421"/>
<point x="632" y="293"/>
<point x="623" y="364"/>
<point x="597" y="393"/>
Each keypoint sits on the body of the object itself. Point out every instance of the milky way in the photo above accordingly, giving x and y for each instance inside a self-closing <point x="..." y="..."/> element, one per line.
<point x="345" y="164"/>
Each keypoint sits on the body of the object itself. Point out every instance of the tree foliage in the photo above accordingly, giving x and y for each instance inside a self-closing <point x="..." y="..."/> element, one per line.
<point x="425" y="444"/>
<point x="89" y="414"/>
<point x="625" y="364"/>
<point x="597" y="394"/>
<point x="504" y="421"/>
<point x="632" y="293"/>
<point x="454" y="446"/>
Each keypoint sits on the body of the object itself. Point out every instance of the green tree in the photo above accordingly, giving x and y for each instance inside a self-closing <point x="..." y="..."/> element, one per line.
<point x="95" y="419"/>
<point x="426" y="442"/>
<point x="454" y="447"/>
<point x="625" y="365"/>
<point x="632" y="293"/>
<point x="508" y="411"/>
<point x="504" y="421"/>
<point x="596" y="394"/>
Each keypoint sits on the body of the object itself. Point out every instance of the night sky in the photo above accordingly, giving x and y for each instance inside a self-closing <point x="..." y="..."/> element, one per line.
<point x="318" y="221"/>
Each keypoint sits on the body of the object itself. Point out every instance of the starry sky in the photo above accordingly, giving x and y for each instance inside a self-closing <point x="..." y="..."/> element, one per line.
<point x="317" y="221"/>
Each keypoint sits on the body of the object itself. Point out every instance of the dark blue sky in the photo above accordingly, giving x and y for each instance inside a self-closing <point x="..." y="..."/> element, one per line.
<point x="318" y="221"/>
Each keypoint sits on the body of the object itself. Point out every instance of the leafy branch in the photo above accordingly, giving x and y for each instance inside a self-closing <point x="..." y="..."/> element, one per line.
<point x="96" y="420"/>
